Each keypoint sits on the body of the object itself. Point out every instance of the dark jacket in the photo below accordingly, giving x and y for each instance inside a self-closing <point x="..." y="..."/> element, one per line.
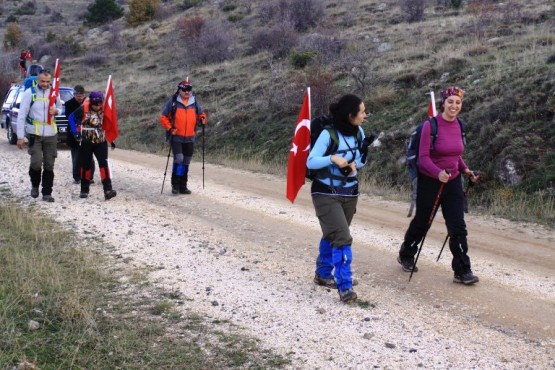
<point x="71" y="106"/>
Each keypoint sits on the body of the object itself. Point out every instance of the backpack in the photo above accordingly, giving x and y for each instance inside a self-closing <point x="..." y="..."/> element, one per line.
<point x="317" y="125"/>
<point x="30" y="82"/>
<point x="414" y="143"/>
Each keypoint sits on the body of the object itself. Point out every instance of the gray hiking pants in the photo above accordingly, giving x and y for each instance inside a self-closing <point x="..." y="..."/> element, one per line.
<point x="335" y="214"/>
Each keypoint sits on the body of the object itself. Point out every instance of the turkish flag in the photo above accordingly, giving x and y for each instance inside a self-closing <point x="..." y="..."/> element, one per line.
<point x="432" y="106"/>
<point x="110" y="121"/>
<point x="296" y="168"/>
<point x="54" y="90"/>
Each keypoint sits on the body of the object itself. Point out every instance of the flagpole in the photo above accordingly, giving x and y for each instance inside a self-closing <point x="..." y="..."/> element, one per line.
<point x="433" y="99"/>
<point x="54" y="90"/>
<point x="309" y="105"/>
<point x="107" y="87"/>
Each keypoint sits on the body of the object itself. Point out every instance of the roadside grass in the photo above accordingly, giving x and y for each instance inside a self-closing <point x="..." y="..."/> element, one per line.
<point x="67" y="307"/>
<point x="511" y="204"/>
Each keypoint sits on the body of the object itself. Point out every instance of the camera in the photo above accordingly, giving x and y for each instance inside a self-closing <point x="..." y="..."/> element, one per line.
<point x="346" y="171"/>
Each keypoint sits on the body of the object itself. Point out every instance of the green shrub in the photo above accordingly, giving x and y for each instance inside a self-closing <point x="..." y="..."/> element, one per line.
<point x="142" y="11"/>
<point x="229" y="7"/>
<point x="50" y="36"/>
<point x="103" y="11"/>
<point x="456" y="3"/>
<point x="300" y="59"/>
<point x="28" y="8"/>
<point x="13" y="36"/>
<point x="235" y="17"/>
<point x="186" y="4"/>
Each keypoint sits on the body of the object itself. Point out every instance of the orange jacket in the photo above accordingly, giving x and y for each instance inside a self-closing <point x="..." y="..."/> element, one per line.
<point x="185" y="119"/>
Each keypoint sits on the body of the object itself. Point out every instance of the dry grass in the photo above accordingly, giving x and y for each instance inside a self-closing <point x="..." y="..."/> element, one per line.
<point x="87" y="312"/>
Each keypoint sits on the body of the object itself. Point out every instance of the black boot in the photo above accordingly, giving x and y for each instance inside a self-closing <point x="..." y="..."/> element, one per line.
<point x="35" y="176"/>
<point x="47" y="182"/>
<point x="461" y="262"/>
<point x="109" y="194"/>
<point x="183" y="185"/>
<point x="406" y="256"/>
<point x="175" y="184"/>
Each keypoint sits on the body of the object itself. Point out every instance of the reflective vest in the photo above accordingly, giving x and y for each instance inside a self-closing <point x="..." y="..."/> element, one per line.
<point x="34" y="121"/>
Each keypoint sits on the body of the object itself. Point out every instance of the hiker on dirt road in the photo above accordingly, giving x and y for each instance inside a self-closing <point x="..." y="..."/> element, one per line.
<point x="179" y="118"/>
<point x="87" y="126"/>
<point x="335" y="193"/>
<point x="433" y="170"/>
<point x="70" y="106"/>
<point x="42" y="136"/>
<point x="24" y="56"/>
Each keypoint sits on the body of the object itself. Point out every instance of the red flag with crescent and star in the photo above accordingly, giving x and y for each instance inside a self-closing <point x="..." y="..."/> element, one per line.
<point x="54" y="90"/>
<point x="300" y="147"/>
<point x="110" y="121"/>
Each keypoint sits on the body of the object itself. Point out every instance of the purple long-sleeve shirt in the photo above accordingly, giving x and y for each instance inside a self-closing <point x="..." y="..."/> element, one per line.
<point x="448" y="149"/>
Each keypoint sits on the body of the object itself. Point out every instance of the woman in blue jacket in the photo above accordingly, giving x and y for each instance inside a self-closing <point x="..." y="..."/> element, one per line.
<point x="335" y="192"/>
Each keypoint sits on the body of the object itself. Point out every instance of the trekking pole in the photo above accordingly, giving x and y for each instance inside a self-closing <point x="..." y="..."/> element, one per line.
<point x="430" y="220"/>
<point x="470" y="184"/>
<point x="443" y="246"/>
<point x="166" y="170"/>
<point x="203" y="155"/>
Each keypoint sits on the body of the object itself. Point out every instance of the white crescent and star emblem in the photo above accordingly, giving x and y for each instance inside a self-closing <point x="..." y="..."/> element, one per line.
<point x="303" y="123"/>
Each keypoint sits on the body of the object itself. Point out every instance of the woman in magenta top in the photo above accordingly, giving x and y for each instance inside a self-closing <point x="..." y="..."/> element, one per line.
<point x="442" y="164"/>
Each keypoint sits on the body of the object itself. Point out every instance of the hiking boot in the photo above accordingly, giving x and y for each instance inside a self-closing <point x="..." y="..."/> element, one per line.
<point x="76" y="181"/>
<point x="184" y="191"/>
<point x="328" y="283"/>
<point x="35" y="192"/>
<point x="109" y="194"/>
<point x="83" y="195"/>
<point x="48" y="198"/>
<point x="347" y="295"/>
<point x="175" y="190"/>
<point x="466" y="278"/>
<point x="407" y="264"/>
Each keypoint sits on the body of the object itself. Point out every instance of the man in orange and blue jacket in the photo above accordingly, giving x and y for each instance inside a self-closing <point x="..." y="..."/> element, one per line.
<point x="179" y="118"/>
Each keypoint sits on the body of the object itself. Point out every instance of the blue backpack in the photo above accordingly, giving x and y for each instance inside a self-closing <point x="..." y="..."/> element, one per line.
<point x="414" y="143"/>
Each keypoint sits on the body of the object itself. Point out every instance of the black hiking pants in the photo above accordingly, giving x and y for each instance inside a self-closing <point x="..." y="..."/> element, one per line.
<point x="85" y="157"/>
<point x="452" y="208"/>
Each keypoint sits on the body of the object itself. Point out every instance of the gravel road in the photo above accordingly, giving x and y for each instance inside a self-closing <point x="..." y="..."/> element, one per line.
<point x="239" y="251"/>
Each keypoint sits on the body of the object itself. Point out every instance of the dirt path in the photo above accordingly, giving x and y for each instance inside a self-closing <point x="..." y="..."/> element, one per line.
<point x="243" y="253"/>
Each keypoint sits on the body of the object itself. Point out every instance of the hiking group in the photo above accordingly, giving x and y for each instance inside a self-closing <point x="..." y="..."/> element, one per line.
<point x="88" y="135"/>
<point x="339" y="148"/>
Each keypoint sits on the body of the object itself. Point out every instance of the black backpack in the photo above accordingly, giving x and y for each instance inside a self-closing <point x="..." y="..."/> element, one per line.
<point x="317" y="125"/>
<point x="414" y="143"/>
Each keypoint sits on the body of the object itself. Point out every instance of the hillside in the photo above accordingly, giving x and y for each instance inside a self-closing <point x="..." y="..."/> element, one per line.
<point x="250" y="62"/>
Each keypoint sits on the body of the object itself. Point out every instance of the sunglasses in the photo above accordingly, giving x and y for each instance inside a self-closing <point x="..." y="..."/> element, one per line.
<point x="186" y="88"/>
<point x="44" y="71"/>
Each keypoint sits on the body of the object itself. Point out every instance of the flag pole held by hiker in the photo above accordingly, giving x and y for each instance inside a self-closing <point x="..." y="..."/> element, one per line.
<point x="54" y="91"/>
<point x="298" y="153"/>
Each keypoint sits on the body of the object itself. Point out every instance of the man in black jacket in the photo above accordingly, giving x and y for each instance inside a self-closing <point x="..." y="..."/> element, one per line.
<point x="70" y="106"/>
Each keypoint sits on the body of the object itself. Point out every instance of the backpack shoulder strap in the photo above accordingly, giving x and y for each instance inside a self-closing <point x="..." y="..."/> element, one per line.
<point x="334" y="140"/>
<point x="433" y="131"/>
<point x="462" y="123"/>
